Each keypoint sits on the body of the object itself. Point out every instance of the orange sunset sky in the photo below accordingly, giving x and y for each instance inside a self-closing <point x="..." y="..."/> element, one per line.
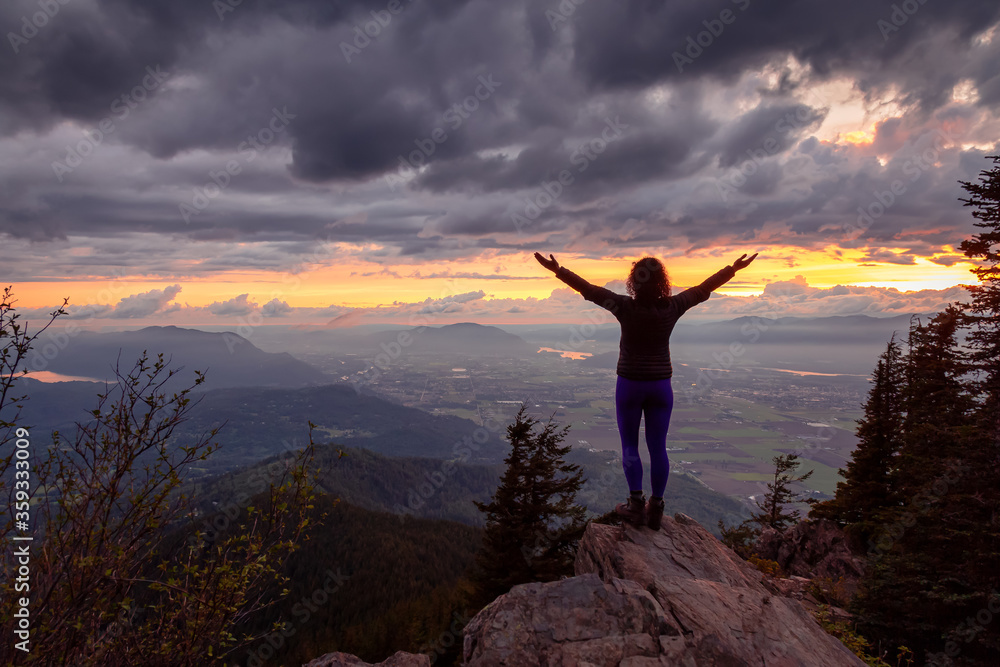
<point x="255" y="171"/>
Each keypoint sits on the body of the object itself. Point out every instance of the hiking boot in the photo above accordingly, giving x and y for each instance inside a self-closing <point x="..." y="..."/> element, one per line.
<point x="633" y="510"/>
<point x="654" y="513"/>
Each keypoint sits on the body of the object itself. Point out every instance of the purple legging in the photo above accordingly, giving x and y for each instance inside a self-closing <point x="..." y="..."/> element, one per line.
<point x="656" y="399"/>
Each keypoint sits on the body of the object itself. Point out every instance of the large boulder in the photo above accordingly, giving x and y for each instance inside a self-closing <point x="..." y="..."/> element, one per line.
<point x="575" y="621"/>
<point x="814" y="549"/>
<point x="676" y="596"/>
<point x="399" y="659"/>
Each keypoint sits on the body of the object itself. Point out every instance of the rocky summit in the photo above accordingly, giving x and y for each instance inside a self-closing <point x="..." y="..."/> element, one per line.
<point x="641" y="598"/>
<point x="676" y="596"/>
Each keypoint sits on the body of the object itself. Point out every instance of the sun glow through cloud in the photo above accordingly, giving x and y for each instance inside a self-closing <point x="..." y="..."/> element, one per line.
<point x="407" y="180"/>
<point x="859" y="137"/>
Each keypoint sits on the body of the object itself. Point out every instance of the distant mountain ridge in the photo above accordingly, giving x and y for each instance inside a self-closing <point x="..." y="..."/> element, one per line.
<point x="445" y="487"/>
<point x="258" y="422"/>
<point x="833" y="330"/>
<point x="837" y="344"/>
<point x="229" y="359"/>
<point x="462" y="338"/>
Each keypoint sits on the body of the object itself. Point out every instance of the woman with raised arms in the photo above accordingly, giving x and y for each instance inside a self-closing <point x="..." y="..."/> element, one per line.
<point x="647" y="316"/>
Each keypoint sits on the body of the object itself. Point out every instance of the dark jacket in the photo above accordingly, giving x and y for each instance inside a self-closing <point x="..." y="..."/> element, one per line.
<point x="645" y="343"/>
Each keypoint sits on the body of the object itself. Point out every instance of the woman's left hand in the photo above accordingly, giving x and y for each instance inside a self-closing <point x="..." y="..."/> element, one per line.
<point x="742" y="263"/>
<point x="550" y="264"/>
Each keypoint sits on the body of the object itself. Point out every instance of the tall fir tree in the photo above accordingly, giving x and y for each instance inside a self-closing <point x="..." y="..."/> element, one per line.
<point x="775" y="511"/>
<point x="533" y="523"/>
<point x="982" y="314"/>
<point x="936" y="402"/>
<point x="868" y="490"/>
<point x="775" y="508"/>
<point x="933" y="563"/>
<point x="974" y="510"/>
<point x="932" y="580"/>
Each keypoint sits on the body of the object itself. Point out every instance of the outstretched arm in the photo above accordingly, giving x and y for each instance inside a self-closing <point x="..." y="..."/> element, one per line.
<point x="565" y="275"/>
<point x="699" y="293"/>
<point x="603" y="297"/>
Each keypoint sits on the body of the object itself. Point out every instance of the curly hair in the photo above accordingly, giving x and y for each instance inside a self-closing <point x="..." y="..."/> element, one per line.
<point x="648" y="280"/>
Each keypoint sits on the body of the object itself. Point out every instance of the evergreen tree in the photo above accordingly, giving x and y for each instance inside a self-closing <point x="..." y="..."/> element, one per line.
<point x="983" y="313"/>
<point x="533" y="522"/>
<point x="934" y="560"/>
<point x="774" y="512"/>
<point x="932" y="581"/>
<point x="936" y="402"/>
<point x="972" y="511"/>
<point x="867" y="491"/>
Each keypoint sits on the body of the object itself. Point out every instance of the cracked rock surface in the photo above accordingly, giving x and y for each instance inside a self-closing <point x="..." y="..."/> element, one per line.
<point x="400" y="659"/>
<point x="676" y="596"/>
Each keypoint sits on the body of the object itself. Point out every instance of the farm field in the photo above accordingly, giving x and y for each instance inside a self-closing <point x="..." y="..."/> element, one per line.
<point x="726" y="437"/>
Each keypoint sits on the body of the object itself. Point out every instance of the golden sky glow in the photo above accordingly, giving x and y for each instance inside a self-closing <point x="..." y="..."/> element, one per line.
<point x="328" y="285"/>
<point x="353" y="282"/>
<point x="422" y="177"/>
<point x="860" y="137"/>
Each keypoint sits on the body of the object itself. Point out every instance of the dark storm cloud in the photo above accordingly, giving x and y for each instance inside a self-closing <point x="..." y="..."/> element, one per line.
<point x="356" y="118"/>
<point x="423" y="83"/>
<point x="766" y="130"/>
<point x="696" y="163"/>
<point x="91" y="54"/>
<point x="625" y="146"/>
<point x="618" y="43"/>
<point x="87" y="53"/>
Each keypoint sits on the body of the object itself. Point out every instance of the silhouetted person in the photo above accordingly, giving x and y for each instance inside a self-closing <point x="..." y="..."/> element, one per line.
<point x="647" y="316"/>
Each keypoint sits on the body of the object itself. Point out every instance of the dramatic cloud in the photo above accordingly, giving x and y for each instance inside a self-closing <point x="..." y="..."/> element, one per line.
<point x="134" y="306"/>
<point x="143" y="305"/>
<point x="450" y="304"/>
<point x="797" y="299"/>
<point x="193" y="140"/>
<point x="238" y="305"/>
<point x="790" y="298"/>
<point x="275" y="308"/>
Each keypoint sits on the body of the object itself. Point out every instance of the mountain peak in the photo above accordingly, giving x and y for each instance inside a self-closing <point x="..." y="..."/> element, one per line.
<point x="465" y="325"/>
<point x="230" y="360"/>
<point x="676" y="596"/>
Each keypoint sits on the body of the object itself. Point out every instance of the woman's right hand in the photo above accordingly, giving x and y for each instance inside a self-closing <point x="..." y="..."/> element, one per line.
<point x="550" y="264"/>
<point x="743" y="262"/>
